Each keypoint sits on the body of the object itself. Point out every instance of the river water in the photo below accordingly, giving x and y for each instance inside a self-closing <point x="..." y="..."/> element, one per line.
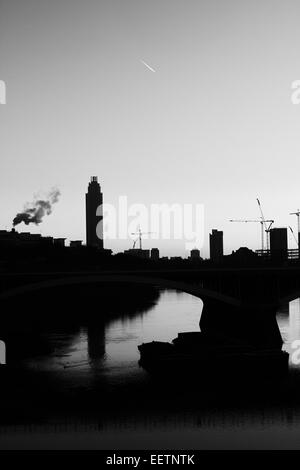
<point x="109" y="353"/>
<point x="111" y="350"/>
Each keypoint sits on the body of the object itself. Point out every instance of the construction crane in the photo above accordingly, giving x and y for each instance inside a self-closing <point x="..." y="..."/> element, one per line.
<point x="292" y="231"/>
<point x="298" y="219"/>
<point x="261" y="222"/>
<point x="266" y="227"/>
<point x="140" y="234"/>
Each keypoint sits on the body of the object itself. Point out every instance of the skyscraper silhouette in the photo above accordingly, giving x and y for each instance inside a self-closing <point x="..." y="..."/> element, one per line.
<point x="94" y="199"/>
<point x="216" y="245"/>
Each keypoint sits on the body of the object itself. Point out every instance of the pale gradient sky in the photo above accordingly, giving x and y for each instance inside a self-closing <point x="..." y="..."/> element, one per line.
<point x="214" y="124"/>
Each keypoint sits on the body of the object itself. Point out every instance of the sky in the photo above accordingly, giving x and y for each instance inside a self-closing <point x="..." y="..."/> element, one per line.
<point x="213" y="125"/>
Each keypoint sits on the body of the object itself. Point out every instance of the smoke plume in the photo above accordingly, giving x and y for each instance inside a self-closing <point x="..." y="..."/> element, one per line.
<point x="34" y="212"/>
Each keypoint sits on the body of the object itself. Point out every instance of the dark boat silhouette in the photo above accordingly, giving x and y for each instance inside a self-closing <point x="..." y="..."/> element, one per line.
<point x="195" y="353"/>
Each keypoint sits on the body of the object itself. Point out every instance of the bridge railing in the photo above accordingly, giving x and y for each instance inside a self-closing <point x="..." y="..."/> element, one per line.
<point x="289" y="254"/>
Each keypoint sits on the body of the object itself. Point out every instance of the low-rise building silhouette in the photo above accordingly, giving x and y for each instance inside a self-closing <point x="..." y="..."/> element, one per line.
<point x="139" y="253"/>
<point x="23" y="239"/>
<point x="195" y="254"/>
<point x="59" y="242"/>
<point x="75" y="243"/>
<point x="154" y="254"/>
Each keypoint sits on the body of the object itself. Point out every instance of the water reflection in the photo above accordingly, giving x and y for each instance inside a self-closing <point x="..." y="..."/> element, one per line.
<point x="288" y="319"/>
<point x="109" y="348"/>
<point x="102" y="358"/>
<point x="95" y="343"/>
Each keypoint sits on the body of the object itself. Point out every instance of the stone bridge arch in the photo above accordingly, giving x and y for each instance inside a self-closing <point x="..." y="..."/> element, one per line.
<point x="192" y="289"/>
<point x="221" y="314"/>
<point x="295" y="294"/>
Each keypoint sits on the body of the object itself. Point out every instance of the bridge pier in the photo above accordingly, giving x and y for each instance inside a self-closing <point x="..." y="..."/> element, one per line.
<point x="252" y="324"/>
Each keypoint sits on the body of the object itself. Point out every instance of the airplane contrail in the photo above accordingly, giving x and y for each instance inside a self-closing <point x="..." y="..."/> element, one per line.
<point x="148" y="66"/>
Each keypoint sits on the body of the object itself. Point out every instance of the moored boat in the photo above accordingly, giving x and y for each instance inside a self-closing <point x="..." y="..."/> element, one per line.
<point x="197" y="354"/>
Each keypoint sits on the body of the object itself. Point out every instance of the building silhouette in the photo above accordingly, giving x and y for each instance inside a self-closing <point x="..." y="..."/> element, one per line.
<point x="94" y="199"/>
<point x="216" y="245"/>
<point x="154" y="254"/>
<point x="138" y="253"/>
<point x="242" y="256"/>
<point x="26" y="239"/>
<point x="195" y="254"/>
<point x="75" y="243"/>
<point x="59" y="242"/>
<point x="279" y="243"/>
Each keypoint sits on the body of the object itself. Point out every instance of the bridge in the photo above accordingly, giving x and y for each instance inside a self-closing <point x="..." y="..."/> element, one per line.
<point x="236" y="300"/>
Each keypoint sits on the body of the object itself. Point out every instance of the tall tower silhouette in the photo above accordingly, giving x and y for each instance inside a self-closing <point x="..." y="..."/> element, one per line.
<point x="94" y="199"/>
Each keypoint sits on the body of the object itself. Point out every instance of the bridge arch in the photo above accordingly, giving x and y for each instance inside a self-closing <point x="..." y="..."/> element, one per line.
<point x="290" y="297"/>
<point x="192" y="289"/>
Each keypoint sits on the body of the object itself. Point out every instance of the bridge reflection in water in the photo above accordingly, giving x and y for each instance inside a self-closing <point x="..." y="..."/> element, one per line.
<point x="100" y="360"/>
<point x="109" y="348"/>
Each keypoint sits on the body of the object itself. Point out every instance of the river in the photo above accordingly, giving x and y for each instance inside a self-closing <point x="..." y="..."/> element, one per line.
<point x="108" y="354"/>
